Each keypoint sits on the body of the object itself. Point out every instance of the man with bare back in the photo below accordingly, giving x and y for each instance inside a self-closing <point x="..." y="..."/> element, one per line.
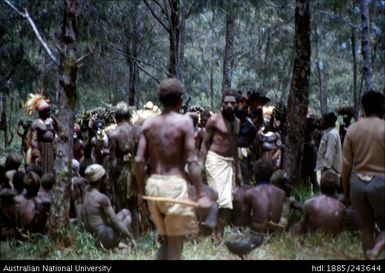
<point x="98" y="215"/>
<point x="219" y="155"/>
<point x="323" y="212"/>
<point x="167" y="144"/>
<point x="122" y="143"/>
<point x="264" y="203"/>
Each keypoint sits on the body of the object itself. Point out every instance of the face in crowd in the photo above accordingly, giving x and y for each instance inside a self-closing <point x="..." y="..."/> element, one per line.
<point x="229" y="104"/>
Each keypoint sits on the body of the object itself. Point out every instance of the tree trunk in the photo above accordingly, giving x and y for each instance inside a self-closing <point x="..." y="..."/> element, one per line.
<point x="228" y="59"/>
<point x="212" y="87"/>
<point x="59" y="214"/>
<point x="182" y="41"/>
<point x="4" y="122"/>
<point x="322" y="94"/>
<point x="133" y="67"/>
<point x="299" y="93"/>
<point x="356" y="100"/>
<point x="266" y="58"/>
<point x="174" y="33"/>
<point x="365" y="46"/>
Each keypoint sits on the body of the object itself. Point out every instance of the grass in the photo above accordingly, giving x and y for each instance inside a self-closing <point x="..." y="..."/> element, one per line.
<point x="75" y="244"/>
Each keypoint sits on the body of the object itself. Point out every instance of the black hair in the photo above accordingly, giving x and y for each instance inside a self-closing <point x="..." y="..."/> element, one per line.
<point x="170" y="92"/>
<point x="17" y="181"/>
<point x="12" y="162"/>
<point x="329" y="119"/>
<point x="229" y="93"/>
<point x="31" y="183"/>
<point x="329" y="182"/>
<point x="263" y="170"/>
<point x="373" y="103"/>
<point x="47" y="181"/>
<point x="34" y="168"/>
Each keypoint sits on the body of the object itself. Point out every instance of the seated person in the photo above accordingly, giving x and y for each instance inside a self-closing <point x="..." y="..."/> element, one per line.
<point x="18" y="187"/>
<point x="11" y="165"/>
<point x="7" y="214"/>
<point x="78" y="185"/>
<point x="98" y="215"/>
<point x="264" y="203"/>
<point x="280" y="179"/>
<point x="32" y="211"/>
<point x="323" y="212"/>
<point x="47" y="182"/>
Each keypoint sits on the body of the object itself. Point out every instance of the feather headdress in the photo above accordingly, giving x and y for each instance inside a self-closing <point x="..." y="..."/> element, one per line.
<point x="35" y="102"/>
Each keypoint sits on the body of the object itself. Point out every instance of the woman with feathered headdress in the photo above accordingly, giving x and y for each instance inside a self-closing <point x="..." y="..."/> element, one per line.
<point x="43" y="133"/>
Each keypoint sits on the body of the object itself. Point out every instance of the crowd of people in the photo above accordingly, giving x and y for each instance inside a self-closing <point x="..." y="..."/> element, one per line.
<point x="192" y="173"/>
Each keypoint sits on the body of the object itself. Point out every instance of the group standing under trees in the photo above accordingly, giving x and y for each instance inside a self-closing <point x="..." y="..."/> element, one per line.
<point x="220" y="138"/>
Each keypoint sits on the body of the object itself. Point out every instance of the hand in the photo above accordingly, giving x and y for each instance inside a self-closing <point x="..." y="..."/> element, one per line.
<point x="204" y="201"/>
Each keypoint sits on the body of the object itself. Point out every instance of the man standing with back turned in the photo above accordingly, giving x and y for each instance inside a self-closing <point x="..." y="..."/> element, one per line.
<point x="167" y="141"/>
<point x="363" y="167"/>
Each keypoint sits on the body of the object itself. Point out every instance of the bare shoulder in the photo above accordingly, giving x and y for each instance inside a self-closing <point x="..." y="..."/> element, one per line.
<point x="212" y="121"/>
<point x="148" y="123"/>
<point x="103" y="199"/>
<point x="36" y="124"/>
<point x="184" y="121"/>
<point x="113" y="133"/>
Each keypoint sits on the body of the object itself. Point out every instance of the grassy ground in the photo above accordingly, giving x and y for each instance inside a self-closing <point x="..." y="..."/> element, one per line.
<point x="74" y="244"/>
<point x="77" y="245"/>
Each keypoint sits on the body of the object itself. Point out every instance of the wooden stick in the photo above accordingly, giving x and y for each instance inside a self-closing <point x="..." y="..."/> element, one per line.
<point x="274" y="225"/>
<point x="170" y="200"/>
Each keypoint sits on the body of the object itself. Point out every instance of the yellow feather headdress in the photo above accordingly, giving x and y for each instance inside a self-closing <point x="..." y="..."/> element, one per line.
<point x="35" y="102"/>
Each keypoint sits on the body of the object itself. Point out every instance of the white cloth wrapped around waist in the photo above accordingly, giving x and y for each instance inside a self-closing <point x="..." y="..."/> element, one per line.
<point x="220" y="172"/>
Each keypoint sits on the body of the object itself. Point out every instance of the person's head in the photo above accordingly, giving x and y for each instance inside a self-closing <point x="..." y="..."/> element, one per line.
<point x="373" y="103"/>
<point x="12" y="162"/>
<point x="242" y="108"/>
<point x="263" y="170"/>
<point x="280" y="179"/>
<point x="47" y="181"/>
<point x="205" y="115"/>
<point x="257" y="98"/>
<point x="43" y="109"/>
<point x="75" y="167"/>
<point x="170" y="93"/>
<point x="45" y="112"/>
<point x="98" y="126"/>
<point x="329" y="120"/>
<point x="34" y="168"/>
<point x="31" y="183"/>
<point x="122" y="111"/>
<point x="229" y="104"/>
<point x="77" y="132"/>
<point x="94" y="173"/>
<point x="194" y="117"/>
<point x="329" y="182"/>
<point x="17" y="181"/>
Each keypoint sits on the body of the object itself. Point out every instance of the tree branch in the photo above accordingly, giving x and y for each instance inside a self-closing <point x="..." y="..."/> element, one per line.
<point x="14" y="8"/>
<point x="26" y="16"/>
<point x="147" y="73"/>
<point x="156" y="16"/>
<point x="339" y="17"/>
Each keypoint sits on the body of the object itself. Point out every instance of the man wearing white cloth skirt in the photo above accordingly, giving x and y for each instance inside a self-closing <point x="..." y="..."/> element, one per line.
<point x="219" y="156"/>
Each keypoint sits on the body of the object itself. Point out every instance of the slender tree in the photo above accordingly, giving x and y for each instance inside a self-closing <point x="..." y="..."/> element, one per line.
<point x="299" y="92"/>
<point x="228" y="59"/>
<point x="365" y="45"/>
